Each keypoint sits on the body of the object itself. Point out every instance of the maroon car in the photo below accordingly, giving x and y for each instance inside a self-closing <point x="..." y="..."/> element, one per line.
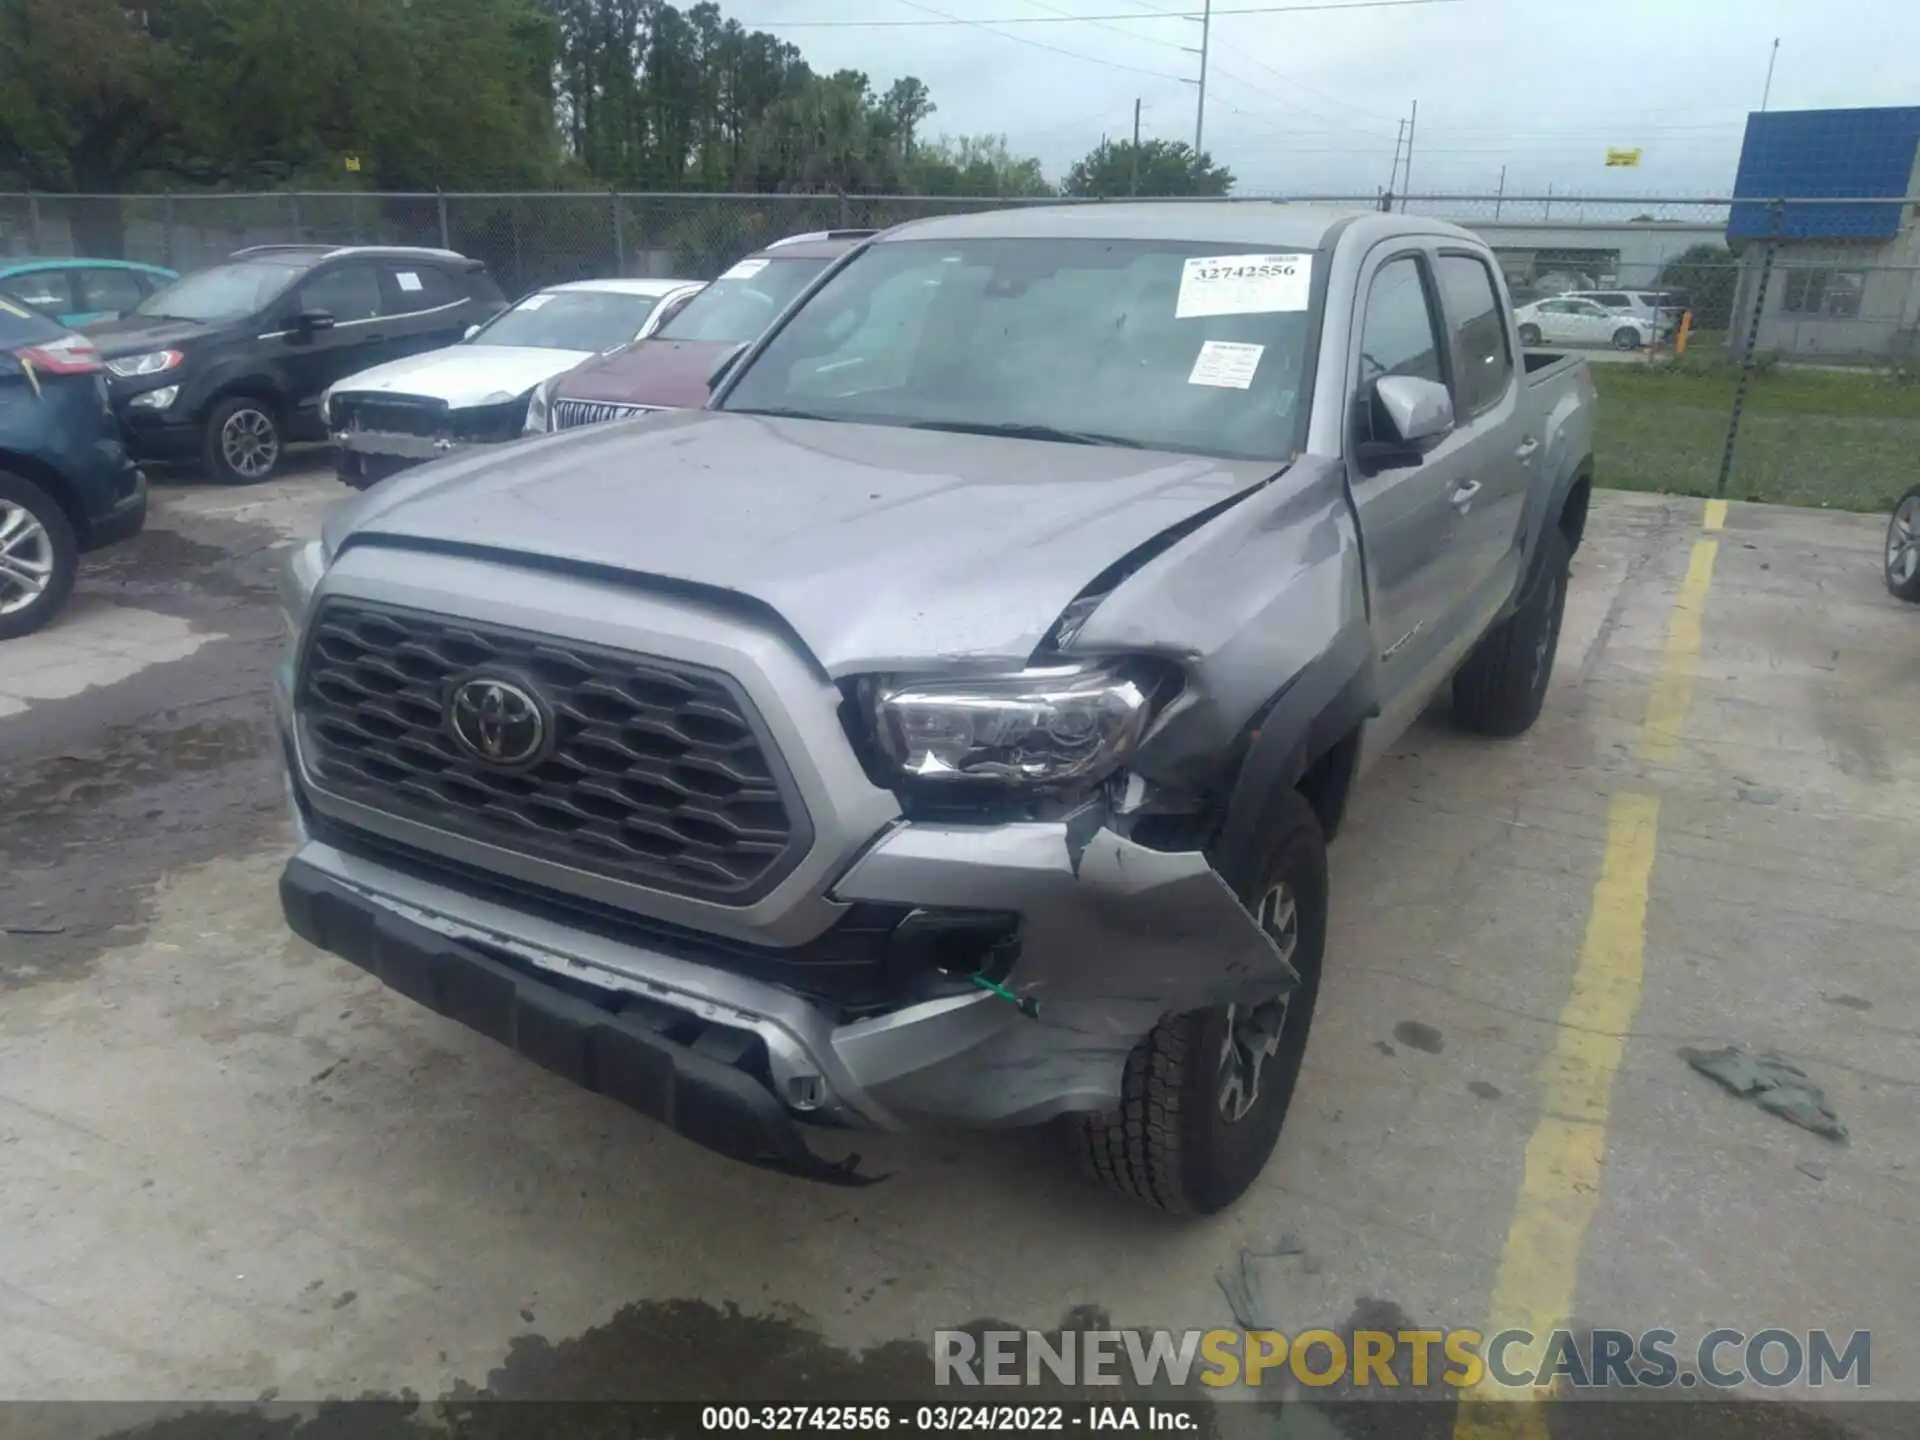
<point x="669" y="369"/>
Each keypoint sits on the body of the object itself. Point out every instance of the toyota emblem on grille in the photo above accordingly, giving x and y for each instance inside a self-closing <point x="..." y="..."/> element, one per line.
<point x="498" y="721"/>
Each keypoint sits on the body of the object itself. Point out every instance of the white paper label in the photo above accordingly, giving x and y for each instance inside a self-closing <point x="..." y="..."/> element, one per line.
<point x="1226" y="364"/>
<point x="534" y="302"/>
<point x="1243" y="285"/>
<point x="408" y="280"/>
<point x="745" y="270"/>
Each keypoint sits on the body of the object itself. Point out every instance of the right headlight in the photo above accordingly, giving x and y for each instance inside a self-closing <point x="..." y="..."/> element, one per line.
<point x="1071" y="722"/>
<point x="539" y="410"/>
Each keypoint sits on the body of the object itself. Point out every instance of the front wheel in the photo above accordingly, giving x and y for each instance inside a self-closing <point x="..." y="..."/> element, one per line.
<point x="1205" y="1093"/>
<point x="1626" y="338"/>
<point x="1903" y="548"/>
<point x="1529" y="334"/>
<point x="243" y="445"/>
<point x="39" y="556"/>
<point x="1501" y="688"/>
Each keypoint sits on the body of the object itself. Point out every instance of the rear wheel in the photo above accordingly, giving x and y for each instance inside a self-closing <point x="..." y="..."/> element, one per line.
<point x="1501" y="688"/>
<point x="1903" y="548"/>
<point x="243" y="445"/>
<point x="1529" y="334"/>
<point x="1626" y="338"/>
<point x="39" y="556"/>
<point x="1205" y="1093"/>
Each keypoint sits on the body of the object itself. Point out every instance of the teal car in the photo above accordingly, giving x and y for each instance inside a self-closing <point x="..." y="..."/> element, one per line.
<point x="79" y="292"/>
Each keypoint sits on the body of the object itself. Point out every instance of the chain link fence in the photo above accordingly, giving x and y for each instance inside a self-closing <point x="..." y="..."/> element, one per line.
<point x="1796" y="377"/>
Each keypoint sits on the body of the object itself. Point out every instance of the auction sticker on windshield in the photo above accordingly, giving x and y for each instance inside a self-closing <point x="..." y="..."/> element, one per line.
<point x="1243" y="285"/>
<point x="1225" y="364"/>
<point x="745" y="270"/>
<point x="533" y="302"/>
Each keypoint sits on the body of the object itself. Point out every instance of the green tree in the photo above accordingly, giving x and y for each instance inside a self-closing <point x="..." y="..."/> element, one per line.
<point x="974" y="165"/>
<point x="1154" y="167"/>
<point x="1707" y="272"/>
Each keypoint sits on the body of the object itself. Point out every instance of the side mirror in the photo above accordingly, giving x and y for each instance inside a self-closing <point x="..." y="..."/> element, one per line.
<point x="1417" y="414"/>
<point x="472" y="330"/>
<point x="308" y="321"/>
<point x="724" y="366"/>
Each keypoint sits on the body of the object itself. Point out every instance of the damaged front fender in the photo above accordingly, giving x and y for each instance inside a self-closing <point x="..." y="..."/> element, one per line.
<point x="1113" y="936"/>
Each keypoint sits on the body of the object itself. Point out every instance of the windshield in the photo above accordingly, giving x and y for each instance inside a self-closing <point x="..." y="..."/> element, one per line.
<point x="224" y="292"/>
<point x="1172" y="345"/>
<point x="592" y="320"/>
<point x="742" y="302"/>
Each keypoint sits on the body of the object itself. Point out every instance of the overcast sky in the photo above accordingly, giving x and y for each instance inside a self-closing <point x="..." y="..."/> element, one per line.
<point x="1308" y="103"/>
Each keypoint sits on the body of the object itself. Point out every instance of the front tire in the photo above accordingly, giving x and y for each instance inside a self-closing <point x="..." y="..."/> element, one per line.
<point x="1626" y="338"/>
<point x="39" y="556"/>
<point x="1903" y="549"/>
<point x="1529" y="334"/>
<point x="243" y="443"/>
<point x="1205" y="1093"/>
<point x="1501" y="688"/>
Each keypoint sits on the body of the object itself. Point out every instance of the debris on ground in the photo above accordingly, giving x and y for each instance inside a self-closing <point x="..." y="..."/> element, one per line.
<point x="33" y="929"/>
<point x="1252" y="1287"/>
<point x="1812" y="1169"/>
<point x="1776" y="1085"/>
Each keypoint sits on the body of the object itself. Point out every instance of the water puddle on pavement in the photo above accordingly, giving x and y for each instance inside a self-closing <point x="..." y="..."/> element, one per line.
<point x="124" y="759"/>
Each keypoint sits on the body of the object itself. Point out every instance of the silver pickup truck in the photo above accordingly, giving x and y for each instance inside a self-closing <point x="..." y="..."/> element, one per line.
<point x="947" y="724"/>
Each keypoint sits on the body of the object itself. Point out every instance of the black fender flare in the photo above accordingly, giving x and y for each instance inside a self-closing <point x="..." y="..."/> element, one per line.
<point x="1312" y="714"/>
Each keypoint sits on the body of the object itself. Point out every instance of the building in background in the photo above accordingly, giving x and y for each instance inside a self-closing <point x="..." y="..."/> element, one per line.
<point x="1846" y="277"/>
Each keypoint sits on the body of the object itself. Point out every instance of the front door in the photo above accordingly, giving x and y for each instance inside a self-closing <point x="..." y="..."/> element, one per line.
<point x="350" y="295"/>
<point x="1408" y="514"/>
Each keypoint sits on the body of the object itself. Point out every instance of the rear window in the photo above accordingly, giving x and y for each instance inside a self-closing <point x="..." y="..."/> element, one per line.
<point x="421" y="287"/>
<point x="742" y="302"/>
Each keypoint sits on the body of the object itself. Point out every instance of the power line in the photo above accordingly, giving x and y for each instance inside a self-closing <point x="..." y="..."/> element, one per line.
<point x="982" y="25"/>
<point x="1112" y="29"/>
<point x="1082" y="19"/>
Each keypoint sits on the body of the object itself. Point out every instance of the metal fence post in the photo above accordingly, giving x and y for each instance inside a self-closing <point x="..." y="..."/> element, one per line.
<point x="846" y="214"/>
<point x="440" y="203"/>
<point x="1778" y="209"/>
<point x="619" y="237"/>
<point x="293" y="214"/>
<point x="167" y="245"/>
<point x="33" y="223"/>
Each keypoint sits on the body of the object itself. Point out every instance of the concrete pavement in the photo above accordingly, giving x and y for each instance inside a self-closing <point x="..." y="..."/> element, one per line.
<point x="233" y="1165"/>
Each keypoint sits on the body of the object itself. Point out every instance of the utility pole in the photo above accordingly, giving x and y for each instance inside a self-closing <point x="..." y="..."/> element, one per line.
<point x="1406" y="173"/>
<point x="1772" y="56"/>
<point x="1393" y="171"/>
<point x="1133" y="167"/>
<point x="1501" y="193"/>
<point x="1200" y="106"/>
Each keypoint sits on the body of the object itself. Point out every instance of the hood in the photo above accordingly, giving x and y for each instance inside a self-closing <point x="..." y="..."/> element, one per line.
<point x="464" y="375"/>
<point x="883" y="548"/>
<point x="135" y="334"/>
<point x="648" y="372"/>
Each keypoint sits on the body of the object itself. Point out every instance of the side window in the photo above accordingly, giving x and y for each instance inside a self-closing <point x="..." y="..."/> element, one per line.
<point x="1479" y="331"/>
<point x="47" y="289"/>
<point x="1397" y="336"/>
<point x="412" y="288"/>
<point x="109" y="290"/>
<point x="348" y="293"/>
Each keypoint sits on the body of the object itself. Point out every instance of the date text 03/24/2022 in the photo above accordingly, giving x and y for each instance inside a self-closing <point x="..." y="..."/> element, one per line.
<point x="944" y="1419"/>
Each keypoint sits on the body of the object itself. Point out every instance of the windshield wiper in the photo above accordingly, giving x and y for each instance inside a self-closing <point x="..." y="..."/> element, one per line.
<point x="1018" y="431"/>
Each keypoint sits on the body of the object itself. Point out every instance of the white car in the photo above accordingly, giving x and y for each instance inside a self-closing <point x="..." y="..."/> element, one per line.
<point x="1569" y="320"/>
<point x="1656" y="307"/>
<point x="409" y="411"/>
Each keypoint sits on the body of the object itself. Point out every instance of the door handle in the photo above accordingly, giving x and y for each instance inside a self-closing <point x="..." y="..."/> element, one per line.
<point x="1462" y="497"/>
<point x="1526" y="449"/>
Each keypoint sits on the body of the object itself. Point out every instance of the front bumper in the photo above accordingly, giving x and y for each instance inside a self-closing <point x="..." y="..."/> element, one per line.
<point x="126" y="517"/>
<point x="1113" y="936"/>
<point x="155" y="434"/>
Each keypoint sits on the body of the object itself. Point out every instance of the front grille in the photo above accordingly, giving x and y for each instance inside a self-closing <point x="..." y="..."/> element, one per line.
<point x="569" y="413"/>
<point x="412" y="415"/>
<point x="429" y="419"/>
<point x="657" y="774"/>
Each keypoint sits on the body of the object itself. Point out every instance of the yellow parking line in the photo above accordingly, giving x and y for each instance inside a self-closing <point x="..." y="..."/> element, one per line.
<point x="1716" y="516"/>
<point x="1540" y="1264"/>
<point x="1673" y="683"/>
